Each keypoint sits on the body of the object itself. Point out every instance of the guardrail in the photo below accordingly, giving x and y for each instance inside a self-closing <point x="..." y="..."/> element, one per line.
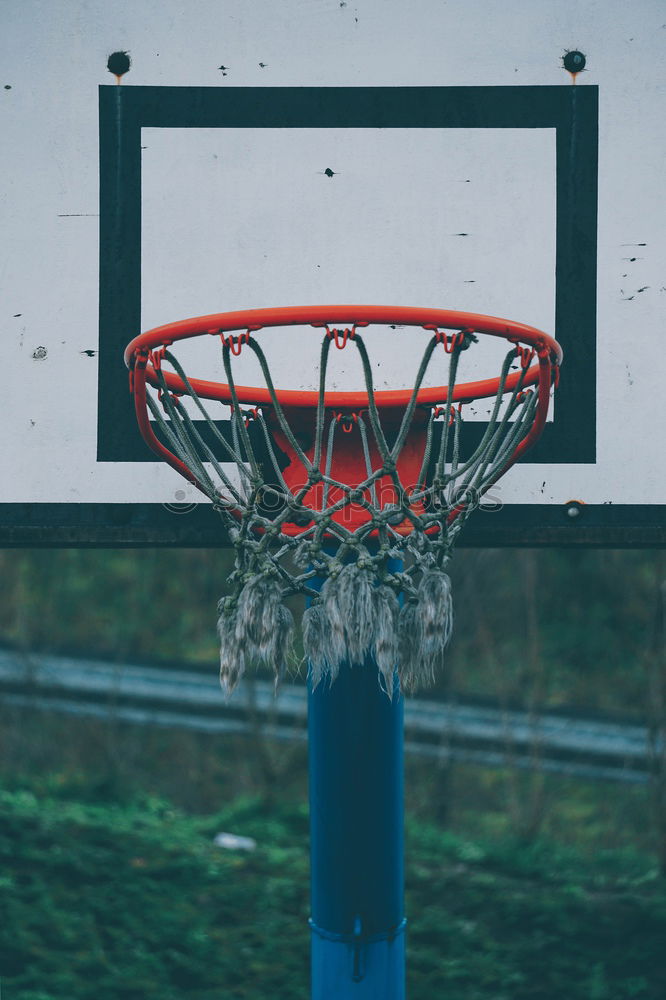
<point x="186" y="699"/>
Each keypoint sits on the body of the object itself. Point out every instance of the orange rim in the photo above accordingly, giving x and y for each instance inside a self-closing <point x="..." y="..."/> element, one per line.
<point x="547" y="349"/>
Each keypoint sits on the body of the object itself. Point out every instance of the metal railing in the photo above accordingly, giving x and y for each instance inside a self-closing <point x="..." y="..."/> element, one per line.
<point x="188" y="699"/>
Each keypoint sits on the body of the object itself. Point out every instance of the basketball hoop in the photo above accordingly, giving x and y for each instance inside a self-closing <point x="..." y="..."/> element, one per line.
<point x="364" y="490"/>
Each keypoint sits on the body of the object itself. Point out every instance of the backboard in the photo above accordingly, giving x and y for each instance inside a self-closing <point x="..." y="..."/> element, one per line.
<point x="435" y="155"/>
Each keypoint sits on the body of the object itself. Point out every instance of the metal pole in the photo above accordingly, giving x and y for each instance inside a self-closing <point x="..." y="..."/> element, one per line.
<point x="356" y="837"/>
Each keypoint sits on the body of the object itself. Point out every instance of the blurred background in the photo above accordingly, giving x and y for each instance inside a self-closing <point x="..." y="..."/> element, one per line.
<point x="535" y="784"/>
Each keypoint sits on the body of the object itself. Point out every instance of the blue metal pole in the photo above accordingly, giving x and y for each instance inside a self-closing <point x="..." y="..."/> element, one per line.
<point x="356" y="836"/>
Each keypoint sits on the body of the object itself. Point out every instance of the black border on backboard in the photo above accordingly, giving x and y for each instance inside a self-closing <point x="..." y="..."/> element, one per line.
<point x="197" y="526"/>
<point x="571" y="111"/>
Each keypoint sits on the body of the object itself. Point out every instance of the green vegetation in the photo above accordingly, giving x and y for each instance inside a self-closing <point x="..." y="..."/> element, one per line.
<point x="134" y="900"/>
<point x="593" y="611"/>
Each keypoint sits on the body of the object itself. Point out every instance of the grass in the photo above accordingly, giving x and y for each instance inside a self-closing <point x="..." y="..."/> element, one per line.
<point x="132" y="899"/>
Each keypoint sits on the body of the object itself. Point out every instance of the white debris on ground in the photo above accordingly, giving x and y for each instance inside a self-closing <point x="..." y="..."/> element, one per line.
<point x="232" y="842"/>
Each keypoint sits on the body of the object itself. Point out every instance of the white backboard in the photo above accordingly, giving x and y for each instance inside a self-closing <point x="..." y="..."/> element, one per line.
<point x="257" y="155"/>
